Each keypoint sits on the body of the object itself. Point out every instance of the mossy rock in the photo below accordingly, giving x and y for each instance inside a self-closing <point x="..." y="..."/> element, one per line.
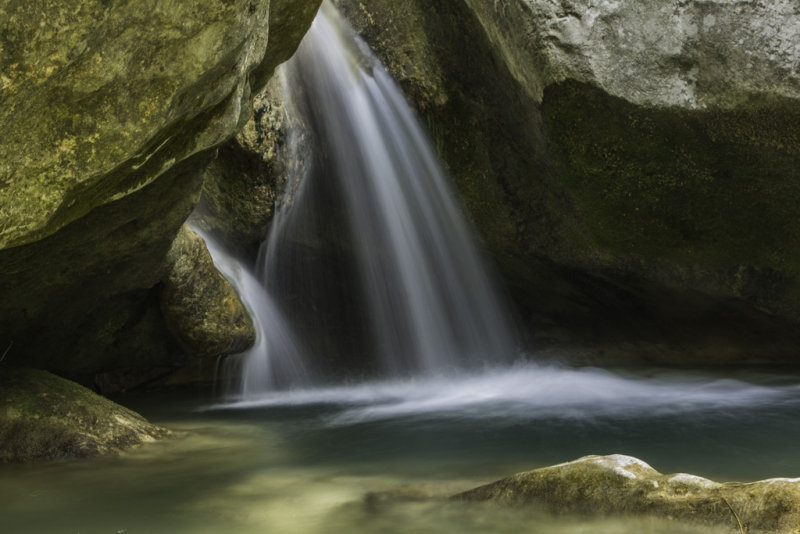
<point x="638" y="199"/>
<point x="200" y="306"/>
<point x="44" y="417"/>
<point x="622" y="485"/>
<point x="111" y="112"/>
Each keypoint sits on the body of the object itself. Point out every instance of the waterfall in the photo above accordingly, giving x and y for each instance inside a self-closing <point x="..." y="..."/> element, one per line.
<point x="369" y="225"/>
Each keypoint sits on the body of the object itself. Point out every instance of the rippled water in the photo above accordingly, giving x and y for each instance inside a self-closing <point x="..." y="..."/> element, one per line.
<point x="305" y="461"/>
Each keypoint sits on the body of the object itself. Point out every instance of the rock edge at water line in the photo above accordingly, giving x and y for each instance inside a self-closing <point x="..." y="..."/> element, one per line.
<point x="623" y="485"/>
<point x="44" y="417"/>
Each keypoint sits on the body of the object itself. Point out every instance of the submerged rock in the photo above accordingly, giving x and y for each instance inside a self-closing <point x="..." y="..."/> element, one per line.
<point x="623" y="485"/>
<point x="44" y="417"/>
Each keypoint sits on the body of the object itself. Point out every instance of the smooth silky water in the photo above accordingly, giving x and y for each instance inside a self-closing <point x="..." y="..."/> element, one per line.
<point x="306" y="462"/>
<point x="290" y="452"/>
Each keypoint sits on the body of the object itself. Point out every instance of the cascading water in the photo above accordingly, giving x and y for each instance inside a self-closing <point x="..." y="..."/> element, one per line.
<point x="431" y="304"/>
<point x="428" y="302"/>
<point x="276" y="358"/>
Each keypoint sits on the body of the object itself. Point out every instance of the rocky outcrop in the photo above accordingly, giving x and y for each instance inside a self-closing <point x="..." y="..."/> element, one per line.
<point x="201" y="308"/>
<point x="631" y="166"/>
<point x="622" y="485"/>
<point x="242" y="184"/>
<point x="43" y="417"/>
<point x="111" y="113"/>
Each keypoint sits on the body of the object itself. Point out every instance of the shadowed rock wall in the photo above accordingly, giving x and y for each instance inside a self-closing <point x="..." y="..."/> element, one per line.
<point x="631" y="166"/>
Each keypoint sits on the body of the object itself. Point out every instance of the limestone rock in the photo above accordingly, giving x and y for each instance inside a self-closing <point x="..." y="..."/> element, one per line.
<point x="43" y="417"/>
<point x="201" y="308"/>
<point x="85" y="300"/>
<point x="97" y="99"/>
<point x="624" y="485"/>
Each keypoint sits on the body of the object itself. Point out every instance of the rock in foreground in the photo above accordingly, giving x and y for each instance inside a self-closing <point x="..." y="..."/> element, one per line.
<point x="620" y="484"/>
<point x="44" y="417"/>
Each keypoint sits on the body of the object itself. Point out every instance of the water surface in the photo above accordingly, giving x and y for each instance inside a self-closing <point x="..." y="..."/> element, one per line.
<point x="306" y="461"/>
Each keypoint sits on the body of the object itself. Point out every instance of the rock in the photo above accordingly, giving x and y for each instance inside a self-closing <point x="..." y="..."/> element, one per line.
<point x="201" y="308"/>
<point x="100" y="99"/>
<point x="687" y="54"/>
<point x="289" y="20"/>
<point x="111" y="112"/>
<point x="623" y="485"/>
<point x="43" y="417"/>
<point x="85" y="300"/>
<point x="631" y="166"/>
<point x="241" y="186"/>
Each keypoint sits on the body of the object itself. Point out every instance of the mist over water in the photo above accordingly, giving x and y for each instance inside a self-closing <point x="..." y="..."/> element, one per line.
<point x="528" y="392"/>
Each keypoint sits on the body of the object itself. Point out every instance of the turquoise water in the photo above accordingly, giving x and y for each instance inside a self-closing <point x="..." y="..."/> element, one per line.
<point x="305" y="462"/>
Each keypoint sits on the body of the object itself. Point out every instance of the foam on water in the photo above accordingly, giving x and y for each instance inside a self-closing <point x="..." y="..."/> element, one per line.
<point x="528" y="392"/>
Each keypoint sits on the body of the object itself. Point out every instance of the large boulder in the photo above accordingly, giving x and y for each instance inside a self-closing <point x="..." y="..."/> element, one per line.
<point x="110" y="114"/>
<point x="631" y="166"/>
<point x="43" y="417"/>
<point x="622" y="485"/>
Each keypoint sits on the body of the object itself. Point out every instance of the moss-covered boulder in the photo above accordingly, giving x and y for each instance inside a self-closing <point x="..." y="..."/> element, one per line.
<point x="622" y="485"/>
<point x="201" y="308"/>
<point x="631" y="166"/>
<point x="110" y="114"/>
<point x="43" y="417"/>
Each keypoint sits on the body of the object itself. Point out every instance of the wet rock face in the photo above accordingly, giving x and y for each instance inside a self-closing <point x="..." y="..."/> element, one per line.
<point x="111" y="113"/>
<point x="631" y="166"/>
<point x="201" y="308"/>
<point x="43" y="417"/>
<point x="624" y="485"/>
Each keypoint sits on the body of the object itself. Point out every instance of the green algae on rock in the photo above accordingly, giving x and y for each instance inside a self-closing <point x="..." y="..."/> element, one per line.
<point x="92" y="93"/>
<point x="623" y="485"/>
<point x="44" y="417"/>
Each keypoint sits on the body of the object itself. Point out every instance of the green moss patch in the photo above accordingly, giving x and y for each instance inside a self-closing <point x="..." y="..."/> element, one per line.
<point x="44" y="417"/>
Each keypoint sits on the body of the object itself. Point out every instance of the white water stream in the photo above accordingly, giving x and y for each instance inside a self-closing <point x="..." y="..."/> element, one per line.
<point x="423" y="291"/>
